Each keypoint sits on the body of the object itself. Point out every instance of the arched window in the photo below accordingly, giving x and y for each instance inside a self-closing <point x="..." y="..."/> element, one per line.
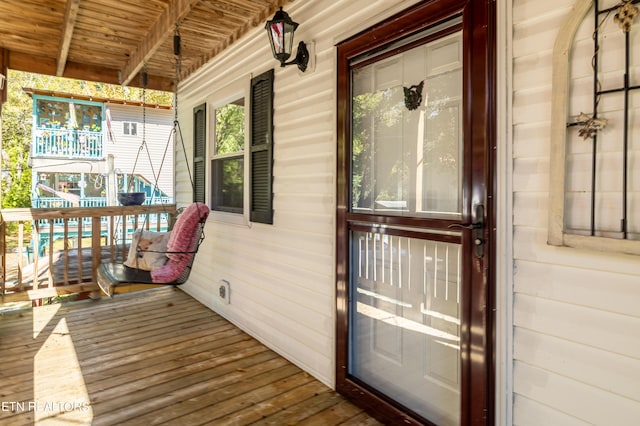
<point x="595" y="129"/>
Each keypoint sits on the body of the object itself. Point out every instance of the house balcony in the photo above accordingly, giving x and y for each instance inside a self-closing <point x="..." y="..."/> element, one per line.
<point x="49" y="142"/>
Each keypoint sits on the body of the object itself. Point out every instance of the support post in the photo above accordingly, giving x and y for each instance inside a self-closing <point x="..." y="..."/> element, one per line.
<point x="112" y="183"/>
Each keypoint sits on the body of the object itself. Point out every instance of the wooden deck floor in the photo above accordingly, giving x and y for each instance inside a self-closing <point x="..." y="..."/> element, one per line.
<point x="152" y="357"/>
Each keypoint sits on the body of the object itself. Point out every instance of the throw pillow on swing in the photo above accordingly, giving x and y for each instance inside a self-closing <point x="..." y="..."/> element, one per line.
<point x="148" y="250"/>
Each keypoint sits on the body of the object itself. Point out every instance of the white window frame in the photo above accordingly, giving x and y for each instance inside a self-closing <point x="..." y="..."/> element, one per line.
<point x="239" y="88"/>
<point x="557" y="165"/>
<point x="126" y="125"/>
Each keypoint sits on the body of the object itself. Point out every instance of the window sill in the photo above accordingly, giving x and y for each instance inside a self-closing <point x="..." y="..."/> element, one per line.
<point x="238" y="219"/>
<point x="611" y="245"/>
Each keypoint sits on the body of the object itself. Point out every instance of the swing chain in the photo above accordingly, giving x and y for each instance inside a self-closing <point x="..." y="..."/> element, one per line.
<point x="175" y="133"/>
<point x="143" y="78"/>
<point x="177" y="130"/>
<point x="177" y="52"/>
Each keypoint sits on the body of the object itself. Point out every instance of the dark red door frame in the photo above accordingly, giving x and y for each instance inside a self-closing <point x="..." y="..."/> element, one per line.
<point x="477" y="330"/>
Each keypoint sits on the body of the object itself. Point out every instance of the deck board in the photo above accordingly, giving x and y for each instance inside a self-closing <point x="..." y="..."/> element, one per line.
<point x="152" y="357"/>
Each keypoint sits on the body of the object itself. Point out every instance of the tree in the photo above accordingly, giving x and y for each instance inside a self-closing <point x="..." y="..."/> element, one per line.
<point x="16" y="142"/>
<point x="15" y="185"/>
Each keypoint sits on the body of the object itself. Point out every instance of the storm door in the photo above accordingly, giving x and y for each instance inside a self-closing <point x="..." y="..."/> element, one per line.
<point x="413" y="293"/>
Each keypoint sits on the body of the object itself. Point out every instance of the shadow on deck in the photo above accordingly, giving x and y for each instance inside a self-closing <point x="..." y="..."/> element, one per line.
<point x="151" y="357"/>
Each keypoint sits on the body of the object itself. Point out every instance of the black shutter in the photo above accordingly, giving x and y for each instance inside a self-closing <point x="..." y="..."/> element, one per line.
<point x="261" y="155"/>
<point x="199" y="152"/>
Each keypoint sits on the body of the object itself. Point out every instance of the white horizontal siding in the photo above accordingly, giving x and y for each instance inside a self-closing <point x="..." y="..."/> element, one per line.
<point x="159" y="123"/>
<point x="557" y="355"/>
<point x="529" y="412"/>
<point x="581" y="286"/>
<point x="531" y="139"/>
<point x="592" y="405"/>
<point x="282" y="275"/>
<point x="588" y="326"/>
<point x="576" y="318"/>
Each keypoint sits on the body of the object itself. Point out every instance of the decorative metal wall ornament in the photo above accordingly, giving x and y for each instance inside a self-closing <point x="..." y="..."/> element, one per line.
<point x="625" y="15"/>
<point x="589" y="125"/>
<point x="413" y="96"/>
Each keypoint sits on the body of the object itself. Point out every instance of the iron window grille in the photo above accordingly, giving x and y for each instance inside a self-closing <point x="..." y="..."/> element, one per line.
<point x="589" y="126"/>
<point x="594" y="182"/>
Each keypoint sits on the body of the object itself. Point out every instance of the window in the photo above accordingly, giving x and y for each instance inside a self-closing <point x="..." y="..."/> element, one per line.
<point x="241" y="150"/>
<point x="387" y="176"/>
<point x="227" y="165"/>
<point x="69" y="114"/>
<point x="129" y="128"/>
<point x="593" y="184"/>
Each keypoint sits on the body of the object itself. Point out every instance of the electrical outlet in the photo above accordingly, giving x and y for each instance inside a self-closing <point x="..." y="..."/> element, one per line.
<point x="224" y="291"/>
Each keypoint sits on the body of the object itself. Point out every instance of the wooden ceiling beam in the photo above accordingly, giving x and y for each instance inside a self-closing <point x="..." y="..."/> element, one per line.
<point x="41" y="65"/>
<point x="68" y="24"/>
<point x="160" y="30"/>
<point x="257" y="20"/>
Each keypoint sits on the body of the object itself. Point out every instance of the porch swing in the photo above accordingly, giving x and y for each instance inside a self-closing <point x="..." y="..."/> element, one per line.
<point x="165" y="258"/>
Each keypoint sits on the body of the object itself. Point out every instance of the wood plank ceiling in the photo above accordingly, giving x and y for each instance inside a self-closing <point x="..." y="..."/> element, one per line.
<point x="111" y="41"/>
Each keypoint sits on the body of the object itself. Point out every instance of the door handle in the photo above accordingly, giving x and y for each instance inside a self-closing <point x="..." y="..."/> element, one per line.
<point x="477" y="227"/>
<point x="470" y="226"/>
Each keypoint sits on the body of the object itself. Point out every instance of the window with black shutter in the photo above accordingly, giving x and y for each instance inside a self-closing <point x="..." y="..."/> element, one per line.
<point x="261" y="149"/>
<point x="199" y="152"/>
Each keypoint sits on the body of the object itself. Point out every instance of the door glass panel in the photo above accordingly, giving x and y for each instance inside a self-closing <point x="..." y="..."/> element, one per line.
<point x="406" y="160"/>
<point x="405" y="321"/>
<point x="406" y="132"/>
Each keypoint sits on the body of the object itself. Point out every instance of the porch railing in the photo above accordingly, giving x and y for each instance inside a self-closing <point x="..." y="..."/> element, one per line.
<point x="64" y="247"/>
<point x="67" y="143"/>
<point x="57" y="202"/>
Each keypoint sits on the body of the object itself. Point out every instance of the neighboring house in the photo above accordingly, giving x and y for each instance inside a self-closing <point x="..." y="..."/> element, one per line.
<point x="73" y="138"/>
<point x="397" y="250"/>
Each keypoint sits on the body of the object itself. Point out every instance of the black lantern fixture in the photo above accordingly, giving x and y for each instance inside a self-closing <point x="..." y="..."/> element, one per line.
<point x="280" y="30"/>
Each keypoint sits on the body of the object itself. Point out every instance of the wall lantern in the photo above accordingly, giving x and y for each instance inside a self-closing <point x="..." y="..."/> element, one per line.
<point x="280" y="30"/>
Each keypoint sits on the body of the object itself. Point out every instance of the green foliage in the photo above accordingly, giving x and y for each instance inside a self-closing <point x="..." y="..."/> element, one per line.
<point x="374" y="113"/>
<point x="15" y="185"/>
<point x="16" y="142"/>
<point x="229" y="139"/>
<point x="366" y="116"/>
<point x="229" y="129"/>
<point x="85" y="88"/>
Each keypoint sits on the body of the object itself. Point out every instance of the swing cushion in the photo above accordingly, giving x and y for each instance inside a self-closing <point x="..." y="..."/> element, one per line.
<point x="182" y="243"/>
<point x="185" y="231"/>
<point x="147" y="251"/>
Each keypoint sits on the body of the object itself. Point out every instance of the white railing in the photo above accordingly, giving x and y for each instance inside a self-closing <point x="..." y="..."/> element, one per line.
<point x="67" y="143"/>
<point x="57" y="202"/>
